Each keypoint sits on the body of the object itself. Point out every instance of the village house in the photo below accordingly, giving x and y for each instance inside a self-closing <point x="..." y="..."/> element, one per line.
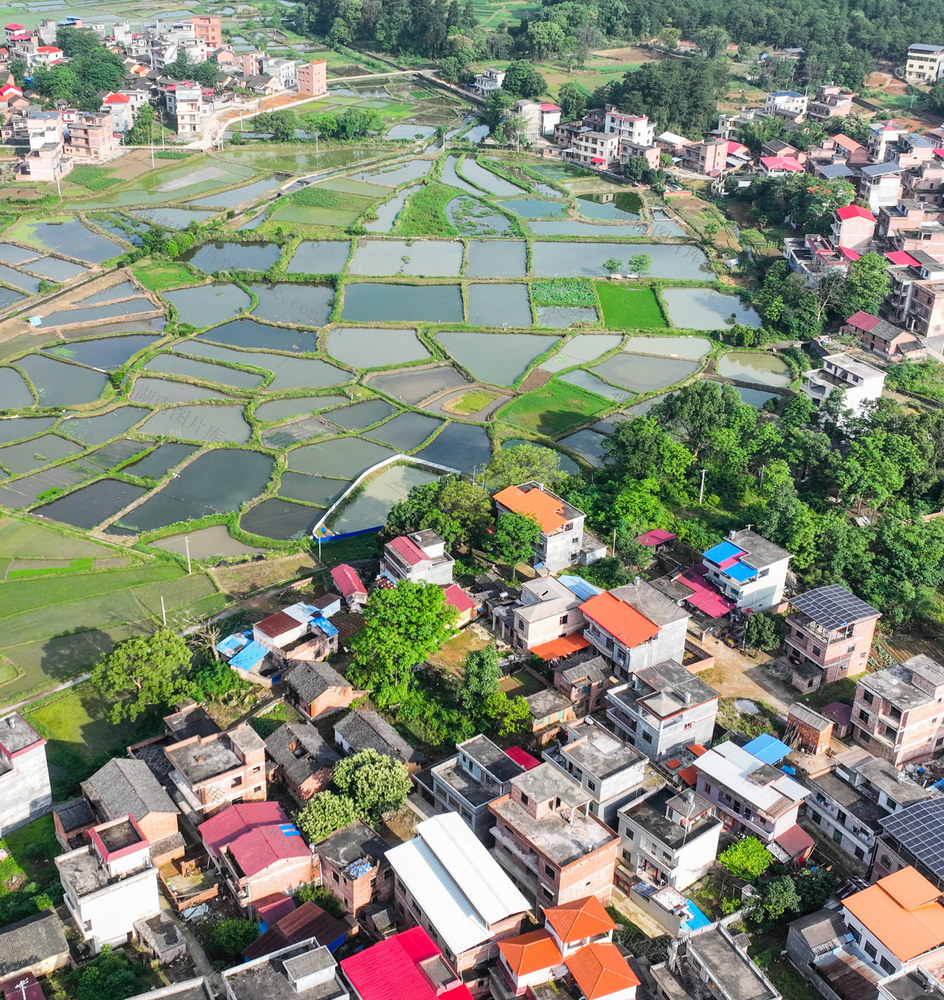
<point x="305" y="971"/>
<point x="708" y="157"/>
<point x="549" y="842"/>
<point x="91" y="136"/>
<point x="915" y="224"/>
<point x="924" y="63"/>
<point x="488" y="81"/>
<point x="912" y="836"/>
<point x="355" y="868"/>
<point x="299" y="632"/>
<point x="46" y="159"/>
<point x="662" y="708"/>
<point x="25" y="791"/>
<point x="298" y="925"/>
<point x="779" y="166"/>
<point x="258" y="851"/>
<point x="883" y="135"/>
<point x="312" y="78"/>
<point x="897" y="713"/>
<point x="787" y="104"/>
<point x="364" y="729"/>
<point x="550" y="711"/>
<point x="447" y="882"/>
<point x="584" y="680"/>
<point x="879" y="184"/>
<point x="548" y="611"/>
<point x="316" y="689"/>
<point x="882" y="338"/>
<point x="110" y="883"/>
<point x="212" y="772"/>
<point x="349" y="585"/>
<point x="829" y="636"/>
<point x="560" y="542"/>
<point x="419" y="557"/>
<point x="34" y="946"/>
<point x="748" y="569"/>
<point x="302" y="760"/>
<point x="479" y="773"/>
<point x="209" y="29"/>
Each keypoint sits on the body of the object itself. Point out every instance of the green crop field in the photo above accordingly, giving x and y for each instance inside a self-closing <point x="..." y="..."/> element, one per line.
<point x="167" y="274"/>
<point x="629" y="308"/>
<point x="553" y="409"/>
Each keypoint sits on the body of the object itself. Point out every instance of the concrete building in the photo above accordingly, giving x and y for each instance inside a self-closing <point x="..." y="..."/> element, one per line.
<point x="609" y="769"/>
<point x="787" y="104"/>
<point x="584" y="680"/>
<point x="185" y="103"/>
<point x="748" y="570"/>
<point x="91" y="136"/>
<point x="924" y="63"/>
<point x="829" y="636"/>
<point x="752" y="797"/>
<point x="419" y="557"/>
<point x="709" y="157"/>
<point x="488" y="81"/>
<point x="533" y="117"/>
<point x="662" y="709"/>
<point x="897" y="713"/>
<point x="883" y="136"/>
<point x="449" y="884"/>
<point x="550" y="843"/>
<point x="912" y="836"/>
<point x="316" y="689"/>
<point x="354" y="867"/>
<point x="669" y="837"/>
<point x="212" y="772"/>
<point x="208" y="29"/>
<point x="879" y="184"/>
<point x="25" y="792"/>
<point x="303" y="971"/>
<point x="312" y="78"/>
<point x="302" y="760"/>
<point x="110" y="884"/>
<point x="465" y="784"/>
<point x="282" y="69"/>
<point x="46" y="159"/>
<point x="548" y="611"/>
<point x="635" y="129"/>
<point x="562" y="525"/>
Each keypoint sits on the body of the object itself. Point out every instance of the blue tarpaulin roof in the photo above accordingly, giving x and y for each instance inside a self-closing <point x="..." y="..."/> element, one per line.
<point x="247" y="658"/>
<point x="740" y="572"/>
<point x="768" y="749"/>
<point x="321" y="622"/>
<point x="579" y="587"/>
<point x="233" y="643"/>
<point x="723" y="550"/>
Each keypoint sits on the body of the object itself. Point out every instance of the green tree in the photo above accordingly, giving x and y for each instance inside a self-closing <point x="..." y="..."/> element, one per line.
<point x="613" y="264"/>
<point x="480" y="679"/>
<point x="573" y="103"/>
<point x="497" y="108"/>
<point x="143" y="672"/>
<point x="510" y="715"/>
<point x="639" y="264"/>
<point x="814" y="886"/>
<point x="181" y="68"/>
<point x="321" y="896"/>
<point x="669" y="38"/>
<point x="144" y="128"/>
<point x="514" y="539"/>
<point x="544" y="38"/>
<point x="402" y="627"/>
<point x="457" y="510"/>
<point x="109" y="976"/>
<point x="523" y="80"/>
<point x="763" y="632"/>
<point x="712" y="41"/>
<point x="323" y="814"/>
<point x="747" y="859"/>
<point x="207" y="73"/>
<point x="523" y="463"/>
<point x="234" y="935"/>
<point x="776" y="898"/>
<point x="866" y="286"/>
<point x="374" y="782"/>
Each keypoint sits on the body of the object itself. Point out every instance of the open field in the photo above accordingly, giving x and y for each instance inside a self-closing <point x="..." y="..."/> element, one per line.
<point x="555" y="408"/>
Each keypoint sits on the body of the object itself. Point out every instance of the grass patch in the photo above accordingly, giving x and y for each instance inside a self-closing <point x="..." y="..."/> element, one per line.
<point x="629" y="308"/>
<point x="156" y="277"/>
<point x="731" y="717"/>
<point x="75" y="565"/>
<point x="470" y="402"/>
<point x="553" y="409"/>
<point x="266" y="724"/>
<point x="563" y="292"/>
<point x="172" y="154"/>
<point x="93" y="178"/>
<point x="424" y="213"/>
<point x="322" y="197"/>
<point x="842" y="691"/>
<point x="28" y="878"/>
<point x="521" y="684"/>
<point x="30" y="540"/>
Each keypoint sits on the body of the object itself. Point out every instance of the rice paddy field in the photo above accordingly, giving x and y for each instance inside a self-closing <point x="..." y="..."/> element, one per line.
<point x="348" y="324"/>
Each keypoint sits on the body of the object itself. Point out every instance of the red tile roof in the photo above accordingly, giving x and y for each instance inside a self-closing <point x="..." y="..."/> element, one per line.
<point x="273" y="908"/>
<point x="558" y="648"/>
<point x="655" y="537"/>
<point x="22" y="987"/>
<point x="408" y="549"/>
<point x="531" y="952"/>
<point x="459" y="599"/>
<point x="391" y="970"/>
<point x="547" y="510"/>
<point x="855" y="212"/>
<point x="600" y="970"/>
<point x="597" y="159"/>
<point x="308" y="921"/>
<point x="846" y="143"/>
<point x="550" y="107"/>
<point x="13" y="27"/>
<point x="578" y="920"/>
<point x="736" y="147"/>
<point x="796" y="842"/>
<point x="863" y="320"/>
<point x="849" y="253"/>
<point x="225" y="826"/>
<point x="48" y="48"/>
<point x="116" y="99"/>
<point x="523" y="758"/>
<point x="621" y="620"/>
<point x="347" y="581"/>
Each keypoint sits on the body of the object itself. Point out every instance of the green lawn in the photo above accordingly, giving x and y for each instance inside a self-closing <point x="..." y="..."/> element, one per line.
<point x="324" y="197"/>
<point x="424" y="213"/>
<point x="93" y="178"/>
<point x="75" y="565"/>
<point x="31" y="540"/>
<point x="470" y="402"/>
<point x="553" y="409"/>
<point x="521" y="684"/>
<point x="167" y="274"/>
<point x="629" y="308"/>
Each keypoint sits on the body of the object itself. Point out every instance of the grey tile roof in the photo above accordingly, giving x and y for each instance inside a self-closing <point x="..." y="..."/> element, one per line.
<point x="310" y="680"/>
<point x="125" y="786"/>
<point x="300" y="751"/>
<point x="650" y="602"/>
<point x="366" y="729"/>
<point x="31" y="941"/>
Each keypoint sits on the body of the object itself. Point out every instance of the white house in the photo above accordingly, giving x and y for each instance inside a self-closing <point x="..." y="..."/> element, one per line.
<point x="858" y="380"/>
<point x="748" y="569"/>
<point x="925" y="63"/>
<point x="560" y="542"/>
<point x="786" y="104"/>
<point x="488" y="81"/>
<point x="420" y="557"/>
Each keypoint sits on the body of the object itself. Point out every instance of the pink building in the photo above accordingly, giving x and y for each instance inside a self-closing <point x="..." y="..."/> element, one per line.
<point x="208" y="29"/>
<point x="853" y="227"/>
<point x="312" y="78"/>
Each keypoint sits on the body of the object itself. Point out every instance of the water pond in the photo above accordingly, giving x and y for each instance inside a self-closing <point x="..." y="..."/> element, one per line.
<point x="207" y="305"/>
<point x="74" y="240"/>
<point x="579" y="350"/>
<point x="380" y="302"/>
<point x="640" y="373"/>
<point x="496" y="358"/>
<point x="691" y="348"/>
<point x="60" y="384"/>
<point x="8" y="297"/>
<point x="472" y="217"/>
<point x="14" y="391"/>
<point x="526" y="180"/>
<point x="361" y="415"/>
<point x="458" y="446"/>
<point x="620" y="206"/>
<point x="585" y="380"/>
<point x="215" y="483"/>
<point x="56" y="269"/>
<point x="106" y="353"/>
<point x="364" y="347"/>
<point x="207" y="543"/>
<point x="410" y="130"/>
<point x="418" y="258"/>
<point x="10" y="253"/>
<point x="707" y="309"/>
<point x="311" y="489"/>
<point x="497" y="258"/>
<point x="199" y="422"/>
<point x="252" y="335"/>
<point x="234" y="257"/>
<point x="319" y="257"/>
<point x="533" y="208"/>
<point x="755" y="366"/>
<point x="163" y="392"/>
<point x="587" y="444"/>
<point x="450" y="177"/>
<point x="281" y="409"/>
<point x="755" y="397"/>
<point x="93" y="504"/>
<point x="172" y="364"/>
<point x="344" y="458"/>
<point x="561" y="317"/>
<point x="20" y="458"/>
<point x="396" y="175"/>
<point x="406" y="431"/>
<point x="97" y="430"/>
<point x="121" y="290"/>
<point x="389" y="210"/>
<point x="413" y="387"/>
<point x="17" y="428"/>
<point x="19" y="279"/>
<point x="499" y="305"/>
<point x="573" y="227"/>
<point x="274" y="518"/>
<point x="302" y="305"/>
<point x="487" y="180"/>
<point x="372" y="506"/>
<point x="70" y="317"/>
<point x="156" y="464"/>
<point x="238" y="196"/>
<point x="303" y="429"/>
<point x="565" y="260"/>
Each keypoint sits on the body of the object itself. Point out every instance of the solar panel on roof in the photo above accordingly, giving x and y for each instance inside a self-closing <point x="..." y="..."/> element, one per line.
<point x="920" y="828"/>
<point x="833" y="606"/>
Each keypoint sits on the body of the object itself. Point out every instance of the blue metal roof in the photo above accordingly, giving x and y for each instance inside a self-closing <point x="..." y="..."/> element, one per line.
<point x="233" y="643"/>
<point x="768" y="749"/>
<point x="740" y="571"/>
<point x="579" y="587"/>
<point x="249" y="657"/>
<point x="723" y="550"/>
<point x="322" y="623"/>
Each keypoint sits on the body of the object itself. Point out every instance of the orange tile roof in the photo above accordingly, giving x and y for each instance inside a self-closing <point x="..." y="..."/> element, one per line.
<point x="557" y="648"/>
<point x="600" y="970"/>
<point x="530" y="952"/>
<point x="620" y="619"/>
<point x="579" y="919"/>
<point x="547" y="510"/>
<point x="903" y="911"/>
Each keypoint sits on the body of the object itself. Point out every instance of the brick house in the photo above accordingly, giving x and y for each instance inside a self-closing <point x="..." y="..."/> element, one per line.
<point x="559" y="543"/>
<point x="829" y="636"/>
<point x="553" y="848"/>
<point x="25" y="792"/>
<point x="212" y="772"/>
<point x="364" y="729"/>
<point x="209" y="28"/>
<point x="897" y="711"/>
<point x="317" y="688"/>
<point x="34" y="946"/>
<point x="914" y="835"/>
<point x="91" y="136"/>
<point x="584" y="681"/>
<point x="354" y="866"/>
<point x="302" y="760"/>
<point x="312" y="78"/>
<point x="882" y="338"/>
<point x="257" y="850"/>
<point x="447" y="882"/>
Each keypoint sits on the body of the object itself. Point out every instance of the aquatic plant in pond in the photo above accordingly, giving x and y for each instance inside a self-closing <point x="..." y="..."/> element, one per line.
<point x="472" y="217"/>
<point x="533" y="208"/>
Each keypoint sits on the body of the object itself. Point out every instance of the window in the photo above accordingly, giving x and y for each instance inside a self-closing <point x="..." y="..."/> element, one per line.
<point x="592" y="786"/>
<point x="817" y="651"/>
<point x="707" y="788"/>
<point x="688" y="725"/>
<point x="549" y="870"/>
<point x="863" y="715"/>
<point x="855" y="934"/>
<point x="886" y="965"/>
<point x="885" y="861"/>
<point x="850" y="649"/>
<point x="870" y="949"/>
<point x="868" y="697"/>
<point x="547" y="892"/>
<point x="859" y="853"/>
<point x="647" y="737"/>
<point x="628" y="833"/>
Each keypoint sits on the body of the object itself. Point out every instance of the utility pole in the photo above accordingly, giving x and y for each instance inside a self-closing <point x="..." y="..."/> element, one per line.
<point x="701" y="491"/>
<point x="163" y="611"/>
<point x="187" y="545"/>
<point x="613" y="546"/>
